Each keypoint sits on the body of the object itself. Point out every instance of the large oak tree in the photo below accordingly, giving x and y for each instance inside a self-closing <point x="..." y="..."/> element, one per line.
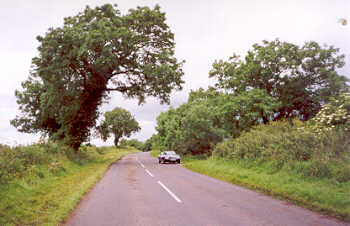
<point x="93" y="53"/>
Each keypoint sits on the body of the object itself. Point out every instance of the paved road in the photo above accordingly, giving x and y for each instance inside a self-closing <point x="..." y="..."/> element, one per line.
<point x="137" y="190"/>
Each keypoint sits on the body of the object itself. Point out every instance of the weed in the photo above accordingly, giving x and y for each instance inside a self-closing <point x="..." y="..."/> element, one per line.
<point x="308" y="184"/>
<point x="37" y="181"/>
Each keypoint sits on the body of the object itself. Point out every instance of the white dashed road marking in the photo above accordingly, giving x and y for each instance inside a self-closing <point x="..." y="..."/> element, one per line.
<point x="140" y="163"/>
<point x="149" y="173"/>
<point x="168" y="190"/>
<point x="160" y="183"/>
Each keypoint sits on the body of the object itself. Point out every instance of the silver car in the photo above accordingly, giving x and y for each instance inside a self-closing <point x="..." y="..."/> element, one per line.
<point x="168" y="156"/>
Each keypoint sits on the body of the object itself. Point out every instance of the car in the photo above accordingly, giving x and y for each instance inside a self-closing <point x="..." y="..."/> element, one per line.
<point x="168" y="156"/>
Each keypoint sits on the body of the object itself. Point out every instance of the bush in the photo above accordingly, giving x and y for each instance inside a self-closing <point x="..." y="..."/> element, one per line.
<point x="224" y="149"/>
<point x="132" y="143"/>
<point x="316" y="169"/>
<point x="284" y="140"/>
<point x="342" y="174"/>
<point x="333" y="115"/>
<point x="277" y="140"/>
<point x="322" y="155"/>
<point x="15" y="162"/>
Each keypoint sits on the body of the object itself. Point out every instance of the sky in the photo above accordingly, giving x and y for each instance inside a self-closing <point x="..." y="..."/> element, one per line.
<point x="204" y="31"/>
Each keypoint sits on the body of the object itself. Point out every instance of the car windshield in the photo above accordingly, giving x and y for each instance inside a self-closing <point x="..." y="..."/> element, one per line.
<point x="170" y="153"/>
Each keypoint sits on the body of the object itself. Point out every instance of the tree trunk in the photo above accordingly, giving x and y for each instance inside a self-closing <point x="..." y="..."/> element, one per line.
<point x="85" y="118"/>
<point x="116" y="140"/>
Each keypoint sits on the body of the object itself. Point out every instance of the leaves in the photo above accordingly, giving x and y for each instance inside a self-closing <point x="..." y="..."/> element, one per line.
<point x="301" y="78"/>
<point x="334" y="115"/>
<point x="96" y="52"/>
<point x="211" y="116"/>
<point x="118" y="122"/>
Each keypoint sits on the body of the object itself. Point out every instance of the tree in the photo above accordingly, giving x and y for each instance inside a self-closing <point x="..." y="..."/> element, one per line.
<point x="118" y="122"/>
<point x="147" y="146"/>
<point x="96" y="52"/>
<point x="189" y="129"/>
<point x="211" y="116"/>
<point x="302" y="79"/>
<point x="132" y="143"/>
<point x="236" y="113"/>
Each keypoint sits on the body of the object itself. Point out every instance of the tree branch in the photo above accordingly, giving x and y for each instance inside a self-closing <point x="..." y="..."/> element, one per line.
<point x="120" y="89"/>
<point x="123" y="72"/>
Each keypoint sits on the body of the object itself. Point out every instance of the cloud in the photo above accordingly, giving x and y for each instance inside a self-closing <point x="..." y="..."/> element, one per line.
<point x="203" y="31"/>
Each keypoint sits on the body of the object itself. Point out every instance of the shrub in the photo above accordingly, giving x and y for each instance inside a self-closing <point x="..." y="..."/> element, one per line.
<point x="132" y="143"/>
<point x="223" y="149"/>
<point x="277" y="140"/>
<point x="342" y="174"/>
<point x="282" y="145"/>
<point x="334" y="115"/>
<point x="316" y="169"/>
<point x="15" y="162"/>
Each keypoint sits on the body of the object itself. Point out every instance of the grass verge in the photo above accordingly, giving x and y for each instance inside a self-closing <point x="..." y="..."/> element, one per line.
<point x="155" y="153"/>
<point x="48" y="193"/>
<point x="326" y="196"/>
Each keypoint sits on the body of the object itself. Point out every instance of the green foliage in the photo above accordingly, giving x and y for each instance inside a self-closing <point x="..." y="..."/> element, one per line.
<point x="304" y="183"/>
<point x="52" y="184"/>
<point x="318" y="169"/>
<point x="118" y="122"/>
<point x="93" y="53"/>
<point x="147" y="146"/>
<point x="286" y="145"/>
<point x="132" y="143"/>
<point x="157" y="143"/>
<point x="188" y="129"/>
<point x="300" y="78"/>
<point x="334" y="115"/>
<point x="210" y="116"/>
<point x="19" y="161"/>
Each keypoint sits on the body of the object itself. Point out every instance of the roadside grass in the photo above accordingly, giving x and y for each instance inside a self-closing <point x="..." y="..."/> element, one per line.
<point x="47" y="193"/>
<point x="323" y="195"/>
<point x="289" y="182"/>
<point x="155" y="153"/>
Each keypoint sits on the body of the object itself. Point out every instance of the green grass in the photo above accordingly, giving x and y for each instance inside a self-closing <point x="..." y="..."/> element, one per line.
<point x="319" y="194"/>
<point x="47" y="193"/>
<point x="155" y="153"/>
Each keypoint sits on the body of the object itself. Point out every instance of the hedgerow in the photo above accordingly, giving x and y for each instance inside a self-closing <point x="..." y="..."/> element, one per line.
<point x="16" y="162"/>
<point x="283" y="145"/>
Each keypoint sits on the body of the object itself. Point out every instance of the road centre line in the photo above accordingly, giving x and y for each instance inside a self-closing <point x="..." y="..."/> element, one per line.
<point x="149" y="173"/>
<point x="140" y="163"/>
<point x="168" y="190"/>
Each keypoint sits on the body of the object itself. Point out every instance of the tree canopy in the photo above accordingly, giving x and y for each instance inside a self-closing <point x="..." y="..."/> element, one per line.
<point x="93" y="53"/>
<point x="118" y="122"/>
<point x="210" y="116"/>
<point x="300" y="78"/>
<point x="132" y="143"/>
<point x="276" y="80"/>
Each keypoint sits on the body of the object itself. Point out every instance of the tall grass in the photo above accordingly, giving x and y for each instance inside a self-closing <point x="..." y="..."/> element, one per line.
<point x="42" y="183"/>
<point x="323" y="195"/>
<point x="283" y="145"/>
<point x="286" y="161"/>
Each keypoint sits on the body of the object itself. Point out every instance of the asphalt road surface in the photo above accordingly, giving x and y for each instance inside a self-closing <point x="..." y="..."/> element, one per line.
<point x="136" y="190"/>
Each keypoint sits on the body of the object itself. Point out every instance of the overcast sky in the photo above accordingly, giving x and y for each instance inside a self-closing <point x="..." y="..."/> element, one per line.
<point x="204" y="31"/>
